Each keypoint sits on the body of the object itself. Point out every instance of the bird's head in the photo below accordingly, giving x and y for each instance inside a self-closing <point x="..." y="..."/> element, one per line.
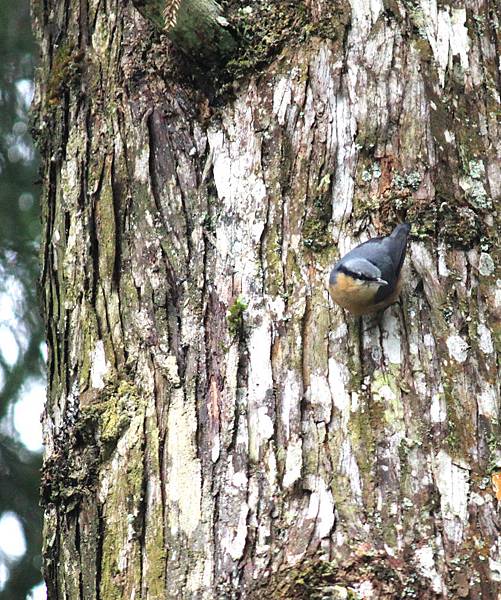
<point x="361" y="270"/>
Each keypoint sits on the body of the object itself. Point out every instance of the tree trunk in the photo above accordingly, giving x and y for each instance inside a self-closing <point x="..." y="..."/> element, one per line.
<point x="215" y="426"/>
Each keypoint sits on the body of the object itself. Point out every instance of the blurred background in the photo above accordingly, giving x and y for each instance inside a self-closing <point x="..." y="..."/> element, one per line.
<point x="22" y="349"/>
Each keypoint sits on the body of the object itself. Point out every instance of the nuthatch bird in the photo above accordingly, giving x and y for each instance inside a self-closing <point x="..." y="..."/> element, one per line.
<point x="367" y="279"/>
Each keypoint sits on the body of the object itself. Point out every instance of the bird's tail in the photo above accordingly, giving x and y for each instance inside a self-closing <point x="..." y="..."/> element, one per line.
<point x="401" y="231"/>
<point x="398" y="239"/>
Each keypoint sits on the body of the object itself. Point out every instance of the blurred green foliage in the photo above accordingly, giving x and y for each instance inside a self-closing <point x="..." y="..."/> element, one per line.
<point x="19" y="235"/>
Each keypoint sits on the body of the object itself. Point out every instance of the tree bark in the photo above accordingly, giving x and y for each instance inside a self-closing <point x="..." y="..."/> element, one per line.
<point x="197" y="27"/>
<point x="215" y="426"/>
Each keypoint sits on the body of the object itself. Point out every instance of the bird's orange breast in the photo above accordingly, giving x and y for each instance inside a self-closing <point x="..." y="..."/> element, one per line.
<point x="357" y="296"/>
<point x="352" y="294"/>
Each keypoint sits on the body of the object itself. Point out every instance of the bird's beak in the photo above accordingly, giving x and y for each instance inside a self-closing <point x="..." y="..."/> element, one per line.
<point x="381" y="281"/>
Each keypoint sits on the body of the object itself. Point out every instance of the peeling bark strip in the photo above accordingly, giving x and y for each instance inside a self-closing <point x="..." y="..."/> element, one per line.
<point x="215" y="427"/>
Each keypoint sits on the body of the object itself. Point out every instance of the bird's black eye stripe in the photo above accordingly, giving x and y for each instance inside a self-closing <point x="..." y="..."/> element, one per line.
<point x="355" y="275"/>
